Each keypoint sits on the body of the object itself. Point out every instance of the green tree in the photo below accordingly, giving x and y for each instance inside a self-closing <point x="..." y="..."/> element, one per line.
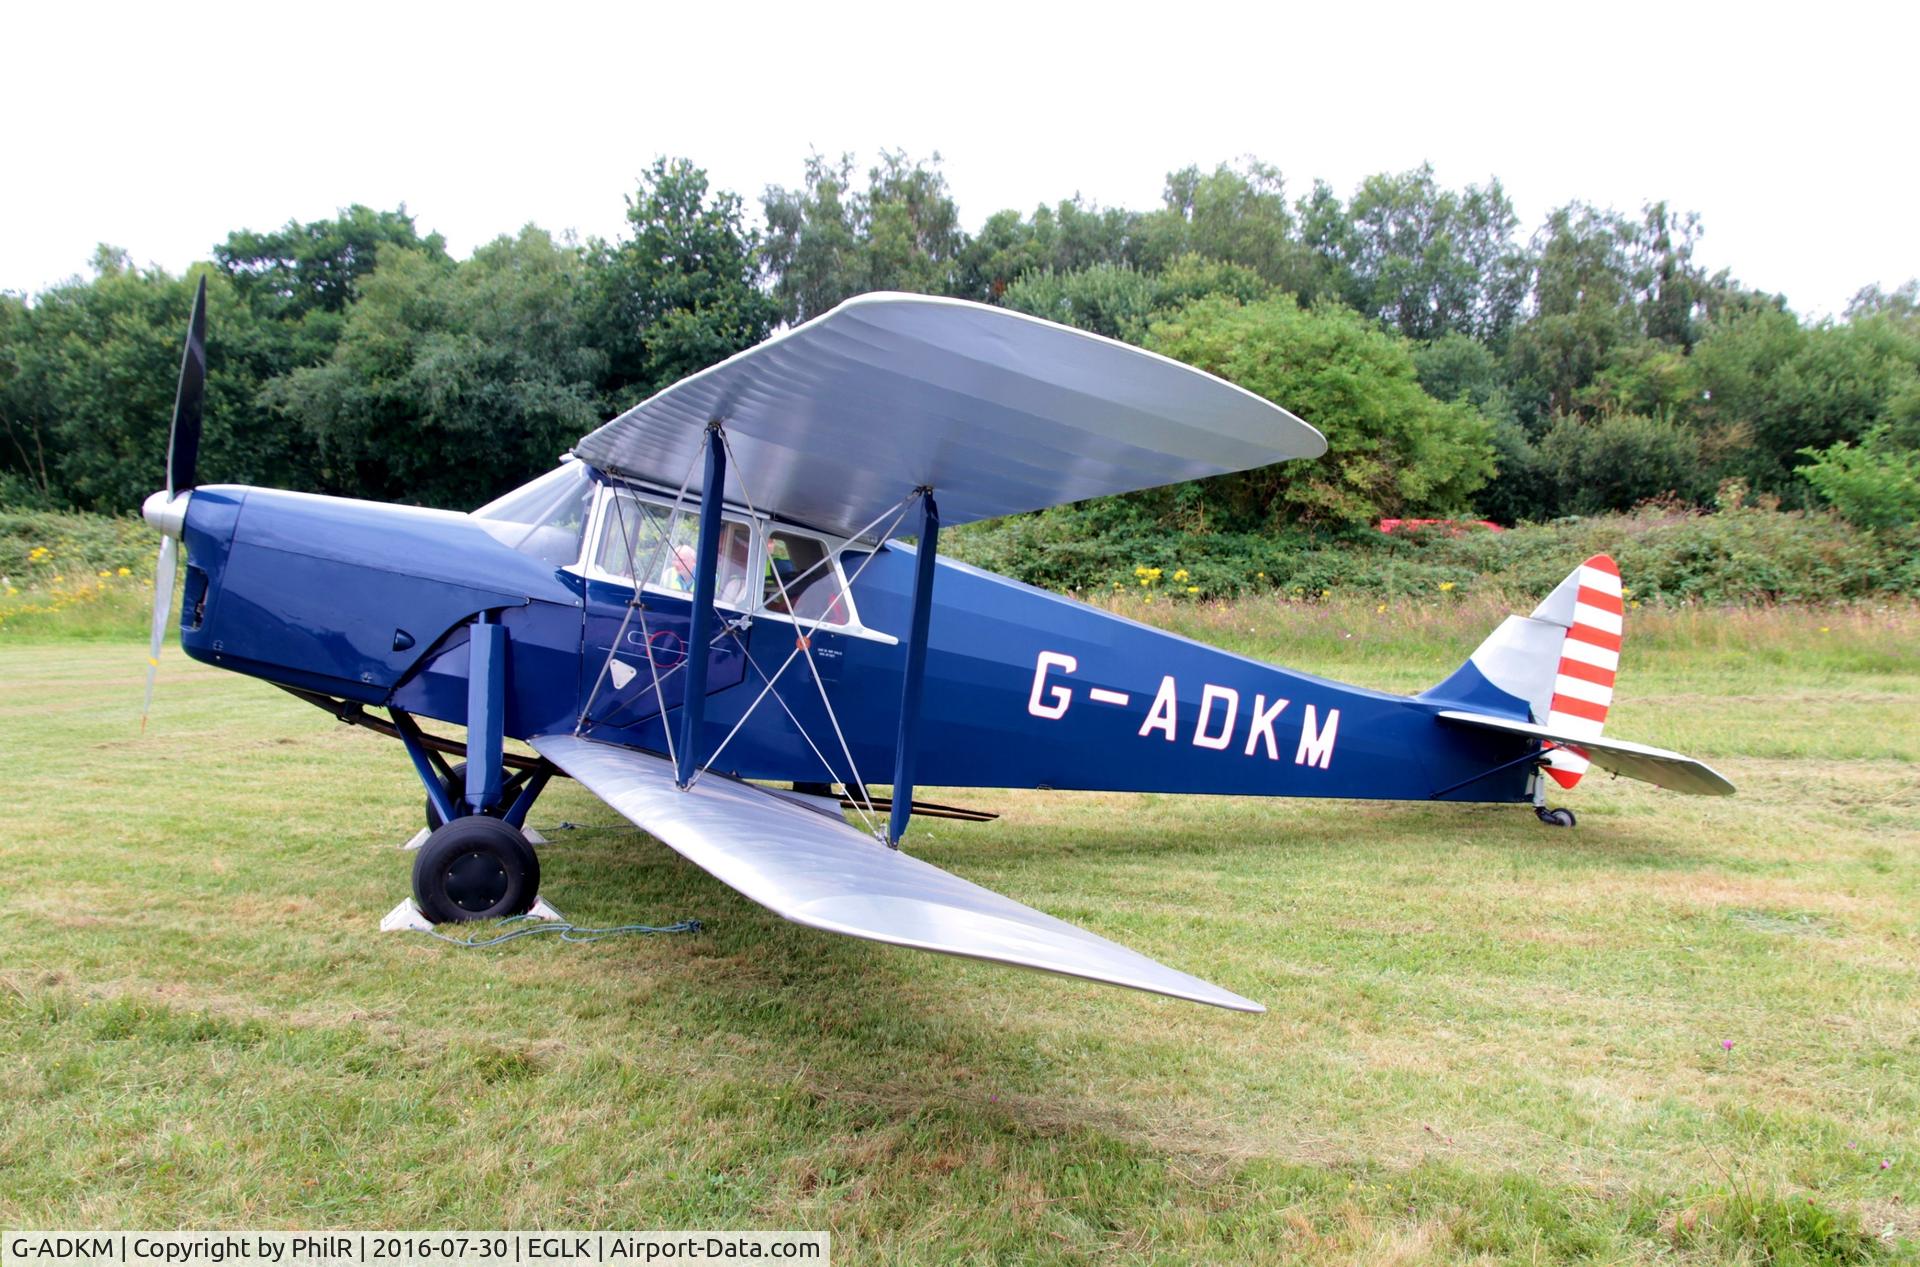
<point x="1874" y="484"/>
<point x="1424" y="260"/>
<point x="1772" y="388"/>
<point x="1582" y="309"/>
<point x="1119" y="301"/>
<point x="301" y="268"/>
<point x="828" y="241"/>
<point x="453" y="382"/>
<point x="1236" y="214"/>
<point x="91" y="369"/>
<point x="1065" y="238"/>
<point x="680" y="291"/>
<point x="1392" y="449"/>
<point x="1617" y="461"/>
<point x="1458" y="367"/>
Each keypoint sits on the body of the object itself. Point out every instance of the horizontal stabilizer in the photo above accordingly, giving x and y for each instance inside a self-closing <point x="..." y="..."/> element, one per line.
<point x="823" y="873"/>
<point x="1635" y="760"/>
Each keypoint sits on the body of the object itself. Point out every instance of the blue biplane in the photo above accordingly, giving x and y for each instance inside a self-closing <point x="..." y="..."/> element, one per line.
<point x="707" y="596"/>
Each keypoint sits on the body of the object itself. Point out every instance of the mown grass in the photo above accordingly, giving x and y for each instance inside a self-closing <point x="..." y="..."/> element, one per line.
<point x="1488" y="1040"/>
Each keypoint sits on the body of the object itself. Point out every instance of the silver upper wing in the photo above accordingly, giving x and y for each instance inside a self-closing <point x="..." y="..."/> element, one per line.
<point x="821" y="872"/>
<point x="834" y="421"/>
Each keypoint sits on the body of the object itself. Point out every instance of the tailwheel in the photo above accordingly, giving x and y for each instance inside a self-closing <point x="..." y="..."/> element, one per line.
<point x="475" y="868"/>
<point x="1554" y="817"/>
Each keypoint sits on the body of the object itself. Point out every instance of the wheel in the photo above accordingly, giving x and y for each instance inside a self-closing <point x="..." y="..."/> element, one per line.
<point x="1555" y="817"/>
<point x="475" y="868"/>
<point x="456" y="787"/>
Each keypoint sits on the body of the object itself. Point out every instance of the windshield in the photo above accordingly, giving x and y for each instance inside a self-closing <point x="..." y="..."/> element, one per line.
<point x="546" y="518"/>
<point x="648" y="539"/>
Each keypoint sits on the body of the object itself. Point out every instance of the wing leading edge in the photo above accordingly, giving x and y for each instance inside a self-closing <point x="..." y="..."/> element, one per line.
<point x="823" y="873"/>
<point x="834" y="421"/>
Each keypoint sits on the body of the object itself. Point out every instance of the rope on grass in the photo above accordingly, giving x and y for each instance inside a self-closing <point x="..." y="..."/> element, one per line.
<point x="566" y="932"/>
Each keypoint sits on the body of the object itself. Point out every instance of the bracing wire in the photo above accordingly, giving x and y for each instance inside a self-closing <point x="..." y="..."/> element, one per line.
<point x="800" y="644"/>
<point x="804" y="644"/>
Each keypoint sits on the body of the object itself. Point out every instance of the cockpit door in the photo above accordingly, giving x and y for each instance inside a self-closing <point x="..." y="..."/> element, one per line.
<point x="634" y="658"/>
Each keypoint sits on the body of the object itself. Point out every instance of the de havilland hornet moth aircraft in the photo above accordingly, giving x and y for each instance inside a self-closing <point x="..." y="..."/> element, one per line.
<point x="706" y="597"/>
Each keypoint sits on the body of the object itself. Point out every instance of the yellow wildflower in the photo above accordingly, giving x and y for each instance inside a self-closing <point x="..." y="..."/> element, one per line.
<point x="1180" y="575"/>
<point x="1195" y="589"/>
<point x="123" y="572"/>
<point x="1825" y="629"/>
<point x="1323" y="593"/>
<point x="105" y="573"/>
<point x="1260" y="575"/>
<point x="38" y="552"/>
<point x="1146" y="580"/>
<point x="1446" y="585"/>
<point x="1141" y="570"/>
<point x="58" y="579"/>
<point x="1382" y="607"/>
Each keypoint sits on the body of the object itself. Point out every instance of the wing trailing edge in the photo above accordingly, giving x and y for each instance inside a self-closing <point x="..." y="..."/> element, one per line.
<point x="821" y="872"/>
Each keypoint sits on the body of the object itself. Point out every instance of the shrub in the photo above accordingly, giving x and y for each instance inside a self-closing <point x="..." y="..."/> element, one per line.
<point x="1875" y="484"/>
<point x="1616" y="462"/>
<point x="1742" y="555"/>
<point x="1391" y="448"/>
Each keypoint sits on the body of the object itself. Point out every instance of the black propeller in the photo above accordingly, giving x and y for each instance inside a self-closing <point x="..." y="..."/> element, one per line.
<point x="189" y="402"/>
<point x="183" y="462"/>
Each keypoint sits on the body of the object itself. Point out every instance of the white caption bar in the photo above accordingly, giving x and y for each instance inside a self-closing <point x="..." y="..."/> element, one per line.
<point x="407" y="1249"/>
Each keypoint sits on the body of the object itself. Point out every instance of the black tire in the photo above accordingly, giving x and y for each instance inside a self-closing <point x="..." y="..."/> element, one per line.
<point x="1555" y="817"/>
<point x="475" y="868"/>
<point x="455" y="785"/>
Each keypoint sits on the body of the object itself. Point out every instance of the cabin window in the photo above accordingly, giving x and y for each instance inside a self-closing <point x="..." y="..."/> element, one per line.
<point x="646" y="537"/>
<point x="546" y="518"/>
<point x="801" y="572"/>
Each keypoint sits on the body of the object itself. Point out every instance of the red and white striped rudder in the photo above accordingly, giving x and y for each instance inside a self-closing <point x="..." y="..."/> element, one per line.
<point x="1589" y="658"/>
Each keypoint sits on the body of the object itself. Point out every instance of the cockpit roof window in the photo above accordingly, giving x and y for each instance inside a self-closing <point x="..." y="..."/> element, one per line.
<point x="546" y="518"/>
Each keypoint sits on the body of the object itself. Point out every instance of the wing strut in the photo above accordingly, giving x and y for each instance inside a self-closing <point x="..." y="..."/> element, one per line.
<point x="904" y="750"/>
<point x="707" y="561"/>
<point x="689" y="761"/>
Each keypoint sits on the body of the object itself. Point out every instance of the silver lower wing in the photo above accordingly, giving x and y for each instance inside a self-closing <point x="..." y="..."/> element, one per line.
<point x="1657" y="766"/>
<point x="821" y="872"/>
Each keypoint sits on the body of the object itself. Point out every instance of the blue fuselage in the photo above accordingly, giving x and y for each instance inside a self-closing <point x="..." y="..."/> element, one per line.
<point x="372" y="603"/>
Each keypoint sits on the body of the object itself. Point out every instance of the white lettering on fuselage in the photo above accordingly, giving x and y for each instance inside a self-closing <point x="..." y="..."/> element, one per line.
<point x="1214" y="723"/>
<point x="1059" y="696"/>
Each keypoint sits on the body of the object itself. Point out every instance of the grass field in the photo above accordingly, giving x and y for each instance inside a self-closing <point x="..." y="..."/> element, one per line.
<point x="1686" y="1031"/>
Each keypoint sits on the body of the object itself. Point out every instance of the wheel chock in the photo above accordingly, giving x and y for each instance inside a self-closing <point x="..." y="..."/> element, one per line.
<point x="406" y="918"/>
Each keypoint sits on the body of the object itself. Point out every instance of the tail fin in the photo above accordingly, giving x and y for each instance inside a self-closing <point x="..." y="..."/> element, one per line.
<point x="1589" y="603"/>
<point x="1559" y="662"/>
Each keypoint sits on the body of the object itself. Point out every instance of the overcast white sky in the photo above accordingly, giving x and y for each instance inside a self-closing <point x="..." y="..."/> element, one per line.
<point x="161" y="127"/>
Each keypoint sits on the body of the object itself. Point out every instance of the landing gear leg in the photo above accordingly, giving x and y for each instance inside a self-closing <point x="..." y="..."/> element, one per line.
<point x="1551" y="817"/>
